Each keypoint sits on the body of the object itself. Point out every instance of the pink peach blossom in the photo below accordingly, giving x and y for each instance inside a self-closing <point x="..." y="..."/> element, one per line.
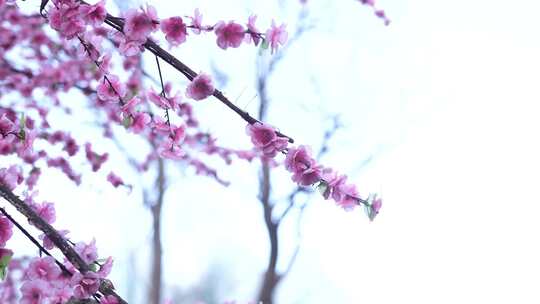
<point x="200" y="87"/>
<point x="140" y="121"/>
<point x="140" y="23"/>
<point x="11" y="177"/>
<point x="94" y="14"/>
<point x="229" y="34"/>
<point x="253" y="34"/>
<point x="85" y="285"/>
<point x="35" y="292"/>
<point x="175" y="30"/>
<point x="44" y="269"/>
<point x="111" y="89"/>
<point x="114" y="179"/>
<point x="304" y="167"/>
<point x="196" y="22"/>
<point x="6" y="230"/>
<point x="276" y="36"/>
<point x="265" y="139"/>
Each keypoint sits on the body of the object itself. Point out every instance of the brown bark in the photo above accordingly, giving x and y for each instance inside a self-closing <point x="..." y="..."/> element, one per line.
<point x="271" y="278"/>
<point x="154" y="295"/>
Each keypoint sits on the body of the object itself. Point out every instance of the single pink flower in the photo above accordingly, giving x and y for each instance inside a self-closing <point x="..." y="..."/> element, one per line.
<point x="276" y="36"/>
<point x="229" y="34"/>
<point x="71" y="146"/>
<point x="6" y="125"/>
<point x="129" y="107"/>
<point x="349" y="196"/>
<point x="35" y="292"/>
<point x="375" y="207"/>
<point x="140" y="121"/>
<point x="163" y="102"/>
<point x="309" y="176"/>
<point x="304" y="167"/>
<point x="88" y="252"/>
<point x="11" y="177"/>
<point x="253" y="32"/>
<point x="161" y="126"/>
<point x="335" y="186"/>
<point x="46" y="211"/>
<point x="111" y="89"/>
<point x="85" y="285"/>
<point x="196" y="22"/>
<point x="44" y="269"/>
<point x="179" y="134"/>
<point x="6" y="230"/>
<point x="333" y="182"/>
<point x="105" y="268"/>
<point x="94" y="14"/>
<point x="130" y="47"/>
<point x="114" y="179"/>
<point x="105" y="63"/>
<point x="139" y="24"/>
<point x="265" y="139"/>
<point x="47" y="243"/>
<point x="175" y="30"/>
<point x="299" y="159"/>
<point x="170" y="150"/>
<point x="200" y="87"/>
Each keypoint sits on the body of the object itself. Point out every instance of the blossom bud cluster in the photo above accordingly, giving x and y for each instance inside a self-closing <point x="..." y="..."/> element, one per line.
<point x="378" y="12"/>
<point x="306" y="171"/>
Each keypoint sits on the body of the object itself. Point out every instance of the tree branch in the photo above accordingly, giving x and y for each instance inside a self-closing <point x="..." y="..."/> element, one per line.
<point x="118" y="24"/>
<point x="62" y="244"/>
<point x="34" y="241"/>
<point x="157" y="250"/>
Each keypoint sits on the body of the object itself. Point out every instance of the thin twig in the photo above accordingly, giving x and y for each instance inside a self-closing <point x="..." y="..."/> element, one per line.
<point x="33" y="240"/>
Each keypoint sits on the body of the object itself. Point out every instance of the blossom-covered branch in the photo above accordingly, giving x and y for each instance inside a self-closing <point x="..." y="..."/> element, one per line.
<point x="86" y="282"/>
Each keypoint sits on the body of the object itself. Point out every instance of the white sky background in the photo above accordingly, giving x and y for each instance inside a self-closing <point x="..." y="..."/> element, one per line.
<point x="444" y="102"/>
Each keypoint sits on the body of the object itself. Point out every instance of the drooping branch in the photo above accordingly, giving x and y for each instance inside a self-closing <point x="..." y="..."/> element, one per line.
<point x="118" y="24"/>
<point x="56" y="238"/>
<point x="33" y="240"/>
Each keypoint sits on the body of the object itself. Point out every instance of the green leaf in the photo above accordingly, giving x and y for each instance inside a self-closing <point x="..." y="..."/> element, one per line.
<point x="265" y="44"/>
<point x="127" y="121"/>
<point x="322" y="187"/>
<point x="94" y="267"/>
<point x="22" y="124"/>
<point x="367" y="210"/>
<point x="4" y="262"/>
